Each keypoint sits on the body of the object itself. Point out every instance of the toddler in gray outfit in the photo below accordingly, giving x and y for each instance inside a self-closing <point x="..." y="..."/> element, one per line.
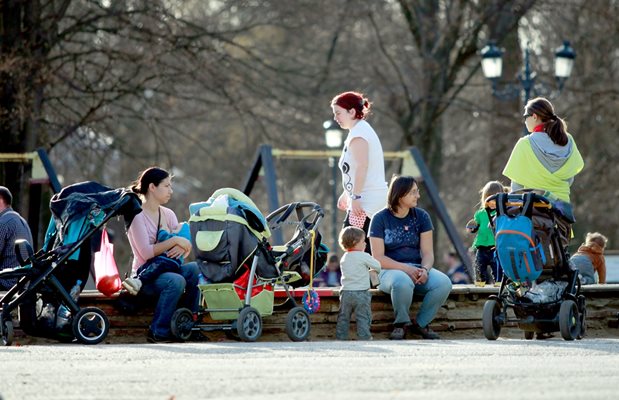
<point x="354" y="293"/>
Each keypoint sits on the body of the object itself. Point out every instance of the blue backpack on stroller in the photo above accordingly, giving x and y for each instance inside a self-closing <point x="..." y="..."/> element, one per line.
<point x="519" y="250"/>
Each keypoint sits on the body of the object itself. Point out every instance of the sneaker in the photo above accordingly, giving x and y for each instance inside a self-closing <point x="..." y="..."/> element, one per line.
<point x="399" y="333"/>
<point x="425" y="333"/>
<point x="132" y="285"/>
<point x="151" y="337"/>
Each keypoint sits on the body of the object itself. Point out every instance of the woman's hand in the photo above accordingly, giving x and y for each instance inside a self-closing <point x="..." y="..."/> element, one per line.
<point x="421" y="276"/>
<point x="182" y="243"/>
<point x="411" y="272"/>
<point x="356" y="208"/>
<point x="176" y="252"/>
<point x="342" y="202"/>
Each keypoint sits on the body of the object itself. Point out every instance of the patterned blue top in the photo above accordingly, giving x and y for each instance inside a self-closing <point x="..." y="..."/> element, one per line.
<point x="401" y="235"/>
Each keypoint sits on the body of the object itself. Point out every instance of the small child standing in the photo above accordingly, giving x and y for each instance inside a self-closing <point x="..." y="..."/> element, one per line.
<point x="589" y="259"/>
<point x="354" y="294"/>
<point x="484" y="241"/>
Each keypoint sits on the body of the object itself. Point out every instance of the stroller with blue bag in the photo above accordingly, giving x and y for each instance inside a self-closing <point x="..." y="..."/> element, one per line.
<point x="44" y="279"/>
<point x="539" y="283"/>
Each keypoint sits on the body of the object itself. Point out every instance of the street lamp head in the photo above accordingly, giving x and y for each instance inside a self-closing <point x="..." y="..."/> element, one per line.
<point x="492" y="61"/>
<point x="333" y="134"/>
<point x="564" y="61"/>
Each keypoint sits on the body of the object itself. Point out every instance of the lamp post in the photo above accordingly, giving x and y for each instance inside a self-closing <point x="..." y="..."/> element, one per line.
<point x="333" y="138"/>
<point x="492" y="66"/>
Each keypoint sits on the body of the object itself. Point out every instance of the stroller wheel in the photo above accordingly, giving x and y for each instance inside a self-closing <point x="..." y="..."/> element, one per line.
<point x="90" y="325"/>
<point x="298" y="324"/>
<point x="182" y="323"/>
<point x="583" y="324"/>
<point x="583" y="317"/>
<point x="249" y="324"/>
<point x="490" y="319"/>
<point x="7" y="333"/>
<point x="528" y="335"/>
<point x="569" y="323"/>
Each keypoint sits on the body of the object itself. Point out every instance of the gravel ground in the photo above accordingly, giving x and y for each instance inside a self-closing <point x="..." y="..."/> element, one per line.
<point x="446" y="369"/>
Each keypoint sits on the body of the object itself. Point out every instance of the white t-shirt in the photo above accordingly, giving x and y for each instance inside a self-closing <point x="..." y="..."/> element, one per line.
<point x="374" y="191"/>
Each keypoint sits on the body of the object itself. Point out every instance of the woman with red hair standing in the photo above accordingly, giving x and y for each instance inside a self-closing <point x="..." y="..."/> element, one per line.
<point x="362" y="162"/>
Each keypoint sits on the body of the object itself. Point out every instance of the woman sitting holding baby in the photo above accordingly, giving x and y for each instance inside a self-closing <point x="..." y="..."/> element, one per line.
<point x="158" y="251"/>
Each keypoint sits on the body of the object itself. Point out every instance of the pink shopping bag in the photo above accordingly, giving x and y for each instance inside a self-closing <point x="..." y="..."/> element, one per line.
<point x="107" y="277"/>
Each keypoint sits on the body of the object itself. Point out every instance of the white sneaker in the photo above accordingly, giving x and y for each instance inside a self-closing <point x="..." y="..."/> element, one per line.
<point x="133" y="285"/>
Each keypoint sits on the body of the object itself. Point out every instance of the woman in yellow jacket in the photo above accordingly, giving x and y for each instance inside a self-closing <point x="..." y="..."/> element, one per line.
<point x="547" y="158"/>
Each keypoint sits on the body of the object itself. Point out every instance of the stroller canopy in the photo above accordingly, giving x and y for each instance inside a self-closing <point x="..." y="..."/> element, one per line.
<point x="90" y="202"/>
<point x="228" y="204"/>
<point x="226" y="231"/>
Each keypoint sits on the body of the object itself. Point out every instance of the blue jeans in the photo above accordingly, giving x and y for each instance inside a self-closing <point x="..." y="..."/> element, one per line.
<point x="401" y="287"/>
<point x="170" y="286"/>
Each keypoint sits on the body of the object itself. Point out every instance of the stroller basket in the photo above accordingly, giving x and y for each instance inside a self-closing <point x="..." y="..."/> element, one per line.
<point x="223" y="302"/>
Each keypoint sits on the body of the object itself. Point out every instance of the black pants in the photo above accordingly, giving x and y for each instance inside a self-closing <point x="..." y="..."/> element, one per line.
<point x="484" y="258"/>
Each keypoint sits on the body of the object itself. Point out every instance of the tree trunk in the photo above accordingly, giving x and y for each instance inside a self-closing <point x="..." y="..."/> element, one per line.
<point x="19" y="86"/>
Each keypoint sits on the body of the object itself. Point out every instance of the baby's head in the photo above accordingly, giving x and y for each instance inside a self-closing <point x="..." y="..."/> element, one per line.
<point x="597" y="238"/>
<point x="352" y="238"/>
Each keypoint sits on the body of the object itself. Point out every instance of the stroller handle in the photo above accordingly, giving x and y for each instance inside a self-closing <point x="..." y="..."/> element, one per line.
<point x="517" y="200"/>
<point x="525" y="202"/>
<point x="280" y="215"/>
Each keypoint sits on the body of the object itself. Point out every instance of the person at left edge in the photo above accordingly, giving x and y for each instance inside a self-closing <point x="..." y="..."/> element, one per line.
<point x="12" y="227"/>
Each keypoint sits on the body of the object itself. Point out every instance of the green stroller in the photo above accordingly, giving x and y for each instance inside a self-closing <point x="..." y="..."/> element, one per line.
<point x="241" y="269"/>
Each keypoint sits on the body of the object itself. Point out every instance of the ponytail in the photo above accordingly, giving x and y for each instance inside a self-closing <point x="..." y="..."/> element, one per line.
<point x="557" y="130"/>
<point x="554" y="126"/>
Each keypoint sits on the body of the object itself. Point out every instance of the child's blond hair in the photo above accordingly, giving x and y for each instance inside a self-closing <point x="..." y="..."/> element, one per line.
<point x="597" y="238"/>
<point x="350" y="236"/>
<point x="490" y="188"/>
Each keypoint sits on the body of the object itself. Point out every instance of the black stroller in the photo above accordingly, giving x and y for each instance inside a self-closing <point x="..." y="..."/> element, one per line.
<point x="45" y="278"/>
<point x="539" y="284"/>
<point x="230" y="238"/>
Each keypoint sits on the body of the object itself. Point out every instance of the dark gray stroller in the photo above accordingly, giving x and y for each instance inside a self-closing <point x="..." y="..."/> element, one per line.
<point x="45" y="278"/>
<point x="539" y="283"/>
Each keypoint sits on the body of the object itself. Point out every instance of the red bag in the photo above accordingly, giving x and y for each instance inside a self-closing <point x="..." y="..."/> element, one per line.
<point x="106" y="271"/>
<point x="240" y="285"/>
